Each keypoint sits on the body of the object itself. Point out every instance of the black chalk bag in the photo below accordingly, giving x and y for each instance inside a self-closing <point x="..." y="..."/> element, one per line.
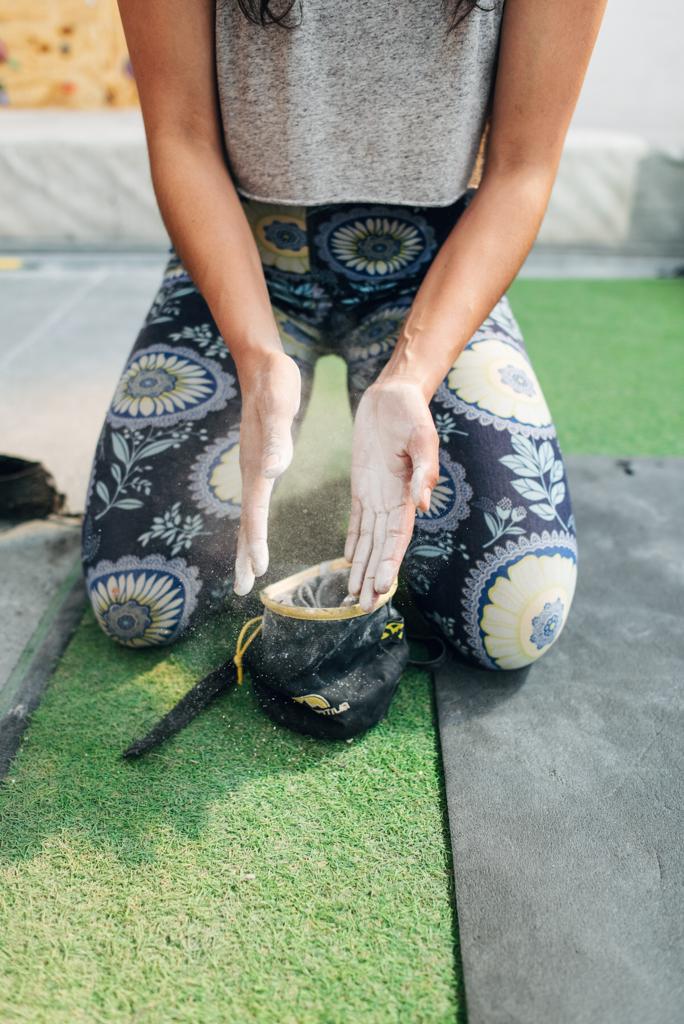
<point x="319" y="663"/>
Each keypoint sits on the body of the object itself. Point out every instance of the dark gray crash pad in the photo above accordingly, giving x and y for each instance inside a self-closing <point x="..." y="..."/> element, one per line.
<point x="564" y="781"/>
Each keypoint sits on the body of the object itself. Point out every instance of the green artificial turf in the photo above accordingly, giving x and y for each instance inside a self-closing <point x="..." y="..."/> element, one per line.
<point x="244" y="873"/>
<point x="610" y="358"/>
<point x="241" y="873"/>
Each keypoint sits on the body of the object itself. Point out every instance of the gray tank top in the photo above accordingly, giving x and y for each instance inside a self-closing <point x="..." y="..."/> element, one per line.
<point x="364" y="101"/>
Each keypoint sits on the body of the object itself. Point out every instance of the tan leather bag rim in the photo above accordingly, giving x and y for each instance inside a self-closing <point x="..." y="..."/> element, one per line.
<point x="269" y="594"/>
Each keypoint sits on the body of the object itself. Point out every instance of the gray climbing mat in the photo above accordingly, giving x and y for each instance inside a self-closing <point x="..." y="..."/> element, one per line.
<point x="564" y="780"/>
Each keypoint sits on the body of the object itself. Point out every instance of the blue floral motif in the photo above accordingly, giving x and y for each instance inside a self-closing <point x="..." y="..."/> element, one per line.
<point x="176" y="285"/>
<point x="368" y="347"/>
<point x="143" y="602"/>
<point x="285" y="235"/>
<point x="300" y="339"/>
<point x="445" y="425"/>
<point x="501" y="518"/>
<point x="163" y="385"/>
<point x="516" y="378"/>
<point x="280" y="235"/>
<point x="173" y="529"/>
<point x="424" y="558"/>
<point x="215" y="479"/>
<point x="90" y="538"/>
<point x="377" y="334"/>
<point x="450" y="499"/>
<point x="387" y="245"/>
<point x="502" y="323"/>
<point x="204" y="337"/>
<point x="174" y="271"/>
<point x="506" y="594"/>
<point x="547" y="625"/>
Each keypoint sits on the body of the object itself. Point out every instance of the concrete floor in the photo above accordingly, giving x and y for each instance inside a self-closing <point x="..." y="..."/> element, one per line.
<point x="36" y="558"/>
<point x="69" y="324"/>
<point x="564" y="780"/>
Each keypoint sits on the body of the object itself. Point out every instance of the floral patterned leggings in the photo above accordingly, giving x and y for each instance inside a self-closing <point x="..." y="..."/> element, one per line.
<point x="493" y="562"/>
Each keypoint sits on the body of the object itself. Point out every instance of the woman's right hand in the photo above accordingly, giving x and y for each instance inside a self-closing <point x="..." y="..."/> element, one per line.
<point x="270" y="385"/>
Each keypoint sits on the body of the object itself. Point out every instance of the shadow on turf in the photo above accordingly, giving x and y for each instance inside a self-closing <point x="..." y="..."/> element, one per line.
<point x="79" y="783"/>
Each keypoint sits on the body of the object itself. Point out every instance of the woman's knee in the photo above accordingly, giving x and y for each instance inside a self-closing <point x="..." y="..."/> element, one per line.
<point x="512" y="607"/>
<point x="518" y="613"/>
<point x="144" y="602"/>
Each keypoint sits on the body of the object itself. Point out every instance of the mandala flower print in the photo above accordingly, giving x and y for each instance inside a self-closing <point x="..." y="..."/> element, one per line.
<point x="547" y="625"/>
<point x="143" y="602"/>
<point x="493" y="382"/>
<point x="215" y="480"/>
<point x="450" y="500"/>
<point x="370" y="344"/>
<point x="281" y="237"/>
<point x="376" y="335"/>
<point x="163" y="385"/>
<point x="518" y="599"/>
<point x="384" y="246"/>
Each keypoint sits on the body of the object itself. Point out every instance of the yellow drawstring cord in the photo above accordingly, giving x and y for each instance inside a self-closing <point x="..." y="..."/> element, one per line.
<point x="241" y="647"/>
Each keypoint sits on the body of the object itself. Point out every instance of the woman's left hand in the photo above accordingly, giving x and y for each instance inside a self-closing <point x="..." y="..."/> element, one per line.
<point x="395" y="465"/>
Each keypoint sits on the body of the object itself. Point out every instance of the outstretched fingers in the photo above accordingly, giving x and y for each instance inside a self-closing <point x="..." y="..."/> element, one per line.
<point x="252" y="542"/>
<point x="258" y="478"/>
<point x="354" y="529"/>
<point x="383" y="538"/>
<point x="362" y="552"/>
<point x="368" y="595"/>
<point x="398" y="533"/>
<point x="271" y="400"/>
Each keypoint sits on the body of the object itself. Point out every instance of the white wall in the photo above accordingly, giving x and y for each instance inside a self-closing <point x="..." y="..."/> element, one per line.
<point x="635" y="80"/>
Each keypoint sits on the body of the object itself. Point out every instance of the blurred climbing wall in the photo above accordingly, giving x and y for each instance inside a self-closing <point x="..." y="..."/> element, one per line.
<point x="64" y="53"/>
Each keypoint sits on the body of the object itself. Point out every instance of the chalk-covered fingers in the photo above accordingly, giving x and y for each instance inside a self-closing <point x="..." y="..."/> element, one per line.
<point x="271" y="394"/>
<point x="362" y="551"/>
<point x="423" y="451"/>
<point x="369" y="595"/>
<point x="252" y="541"/>
<point x="395" y="465"/>
<point x="397" y="537"/>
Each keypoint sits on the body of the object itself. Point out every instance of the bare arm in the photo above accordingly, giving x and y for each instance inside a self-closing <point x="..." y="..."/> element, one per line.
<point x="544" y="54"/>
<point x="171" y="46"/>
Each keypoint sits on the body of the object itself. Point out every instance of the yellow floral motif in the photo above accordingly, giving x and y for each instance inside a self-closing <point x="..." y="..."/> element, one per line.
<point x="159" y="382"/>
<point x="138" y="609"/>
<point x="225" y="479"/>
<point x="498" y="379"/>
<point x="377" y="245"/>
<point x="527" y="609"/>
<point x="280" y="236"/>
